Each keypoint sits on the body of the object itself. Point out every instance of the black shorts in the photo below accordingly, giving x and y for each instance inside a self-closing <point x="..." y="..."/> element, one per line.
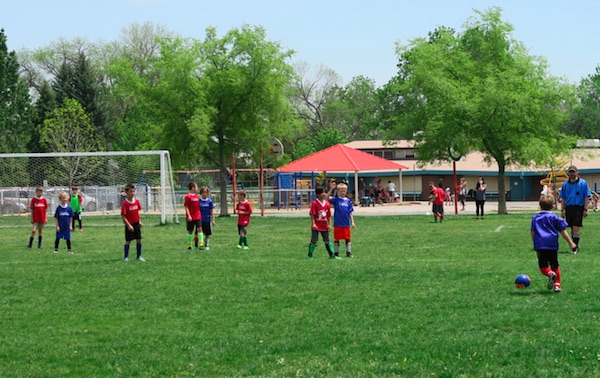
<point x="193" y="224"/>
<point x="315" y="236"/>
<point x="207" y="228"/>
<point x="242" y="230"/>
<point x="437" y="209"/>
<point x="136" y="234"/>
<point x="574" y="215"/>
<point x="547" y="257"/>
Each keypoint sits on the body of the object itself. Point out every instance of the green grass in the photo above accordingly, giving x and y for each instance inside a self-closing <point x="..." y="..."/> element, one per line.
<point x="419" y="299"/>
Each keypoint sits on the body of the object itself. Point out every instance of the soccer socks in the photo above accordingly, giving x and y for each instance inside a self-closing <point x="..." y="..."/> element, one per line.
<point x="245" y="240"/>
<point x="336" y="247"/>
<point x="557" y="280"/>
<point x="190" y="240"/>
<point x="311" y="249"/>
<point x="138" y="249"/>
<point x="348" y="247"/>
<point x="329" y="248"/>
<point x="40" y="241"/>
<point x="56" y="244"/>
<point x="126" y="251"/>
<point x="69" y="244"/>
<point x="201" y="239"/>
<point x="575" y="238"/>
<point x="545" y="271"/>
<point x="241" y="241"/>
<point x="30" y="242"/>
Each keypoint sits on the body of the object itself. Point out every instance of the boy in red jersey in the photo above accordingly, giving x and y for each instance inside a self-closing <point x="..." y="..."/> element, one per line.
<point x="244" y="209"/>
<point x="437" y="197"/>
<point x="192" y="214"/>
<point x="320" y="214"/>
<point x="38" y="208"/>
<point x="130" y="212"/>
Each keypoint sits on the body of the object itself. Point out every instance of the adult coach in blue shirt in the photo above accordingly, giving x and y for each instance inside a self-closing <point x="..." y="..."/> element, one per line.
<point x="575" y="195"/>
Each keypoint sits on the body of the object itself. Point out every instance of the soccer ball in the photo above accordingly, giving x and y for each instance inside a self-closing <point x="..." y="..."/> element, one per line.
<point x="522" y="281"/>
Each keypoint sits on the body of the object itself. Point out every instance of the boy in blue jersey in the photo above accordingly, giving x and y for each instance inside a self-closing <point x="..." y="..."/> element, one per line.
<point x="545" y="228"/>
<point x="208" y="216"/>
<point x="343" y="219"/>
<point x="63" y="215"/>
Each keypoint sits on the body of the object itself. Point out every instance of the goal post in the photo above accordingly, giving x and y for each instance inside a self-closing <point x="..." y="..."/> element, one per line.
<point x="100" y="177"/>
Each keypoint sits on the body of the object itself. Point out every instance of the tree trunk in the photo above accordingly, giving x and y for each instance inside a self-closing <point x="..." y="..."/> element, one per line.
<point x="501" y="189"/>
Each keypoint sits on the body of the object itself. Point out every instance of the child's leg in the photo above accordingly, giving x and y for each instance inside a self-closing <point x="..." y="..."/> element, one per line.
<point x="313" y="243"/>
<point x="336" y="247"/>
<point x="126" y="249"/>
<point x="69" y="245"/>
<point x="190" y="239"/>
<point x="40" y="229"/>
<point x="33" y="230"/>
<point x="348" y="248"/>
<point x="79" y="220"/>
<point x="138" y="248"/>
<point x="328" y="246"/>
<point x="56" y="242"/>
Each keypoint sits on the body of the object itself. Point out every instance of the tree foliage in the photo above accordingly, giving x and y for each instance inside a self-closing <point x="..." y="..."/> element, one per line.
<point x="16" y="113"/>
<point x="478" y="90"/>
<point x="215" y="98"/>
<point x="584" y="119"/>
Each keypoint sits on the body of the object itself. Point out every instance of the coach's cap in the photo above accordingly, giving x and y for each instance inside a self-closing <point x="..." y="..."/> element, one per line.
<point x="572" y="169"/>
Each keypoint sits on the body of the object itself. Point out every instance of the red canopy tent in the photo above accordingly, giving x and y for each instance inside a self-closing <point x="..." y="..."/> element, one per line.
<point x="341" y="158"/>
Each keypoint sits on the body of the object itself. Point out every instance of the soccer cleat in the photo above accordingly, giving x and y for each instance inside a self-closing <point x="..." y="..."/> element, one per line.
<point x="310" y="256"/>
<point x="245" y="247"/>
<point x="575" y="250"/>
<point x="207" y="248"/>
<point x="348" y="254"/>
<point x="56" y="251"/>
<point x="141" y="259"/>
<point x="334" y="257"/>
<point x="336" y="254"/>
<point x="126" y="259"/>
<point x="81" y="230"/>
<point x="71" y="252"/>
<point x="551" y="279"/>
<point x="239" y="246"/>
<point x="557" y="289"/>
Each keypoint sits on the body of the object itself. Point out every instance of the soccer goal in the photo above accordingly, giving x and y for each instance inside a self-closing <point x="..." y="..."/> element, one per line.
<point x="100" y="177"/>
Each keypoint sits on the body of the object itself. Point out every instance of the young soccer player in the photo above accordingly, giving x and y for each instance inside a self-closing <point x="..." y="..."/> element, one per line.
<point x="244" y="209"/>
<point x="545" y="228"/>
<point x="343" y="218"/>
<point x="192" y="215"/>
<point x="38" y="208"/>
<point x="320" y="214"/>
<point x="437" y="198"/>
<point x="208" y="215"/>
<point x="63" y="215"/>
<point x="130" y="212"/>
<point x="76" y="206"/>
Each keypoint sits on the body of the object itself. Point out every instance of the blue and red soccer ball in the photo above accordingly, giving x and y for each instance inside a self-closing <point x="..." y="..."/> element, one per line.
<point x="522" y="281"/>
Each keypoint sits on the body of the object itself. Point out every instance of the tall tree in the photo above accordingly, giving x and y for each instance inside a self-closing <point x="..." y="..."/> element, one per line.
<point x="584" y="120"/>
<point x="16" y="112"/>
<point x="217" y="98"/>
<point x="479" y="90"/>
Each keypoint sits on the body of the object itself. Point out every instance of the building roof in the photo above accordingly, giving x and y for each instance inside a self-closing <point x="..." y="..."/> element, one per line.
<point x="341" y="158"/>
<point x="586" y="160"/>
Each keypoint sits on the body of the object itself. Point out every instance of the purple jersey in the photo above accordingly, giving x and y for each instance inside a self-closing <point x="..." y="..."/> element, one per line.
<point x="546" y="226"/>
<point x="342" y="210"/>
<point x="206" y="205"/>
<point x="64" y="215"/>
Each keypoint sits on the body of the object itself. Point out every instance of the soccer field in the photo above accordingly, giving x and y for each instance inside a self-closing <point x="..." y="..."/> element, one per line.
<point x="419" y="299"/>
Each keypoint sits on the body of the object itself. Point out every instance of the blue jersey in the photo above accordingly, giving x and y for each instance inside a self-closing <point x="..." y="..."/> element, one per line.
<point x="547" y="226"/>
<point x="206" y="205"/>
<point x="575" y="193"/>
<point x="342" y="210"/>
<point x="64" y="215"/>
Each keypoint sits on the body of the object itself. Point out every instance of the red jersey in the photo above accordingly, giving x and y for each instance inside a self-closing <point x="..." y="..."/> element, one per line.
<point x="192" y="203"/>
<point x="439" y="195"/>
<point x="321" y="213"/>
<point x="244" y="219"/>
<point x="131" y="210"/>
<point x="38" y="208"/>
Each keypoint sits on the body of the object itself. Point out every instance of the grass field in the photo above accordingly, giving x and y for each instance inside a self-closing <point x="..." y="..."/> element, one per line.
<point x="419" y="299"/>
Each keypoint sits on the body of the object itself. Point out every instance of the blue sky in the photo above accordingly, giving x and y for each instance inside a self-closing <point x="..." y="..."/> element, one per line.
<point x="352" y="37"/>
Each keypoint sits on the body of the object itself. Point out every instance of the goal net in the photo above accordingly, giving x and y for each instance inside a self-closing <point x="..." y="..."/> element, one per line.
<point x="99" y="176"/>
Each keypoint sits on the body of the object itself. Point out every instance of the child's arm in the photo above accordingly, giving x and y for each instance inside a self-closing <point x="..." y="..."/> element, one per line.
<point x="332" y="186"/>
<point x="565" y="235"/>
<point x="352" y="220"/>
<point x="212" y="216"/>
<point x="313" y="225"/>
<point x="57" y="226"/>
<point x="129" y="226"/>
<point x="188" y="217"/>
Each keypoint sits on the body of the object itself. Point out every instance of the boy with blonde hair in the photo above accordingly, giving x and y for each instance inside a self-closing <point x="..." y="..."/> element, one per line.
<point x="545" y="228"/>
<point x="63" y="215"/>
<point x="343" y="219"/>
